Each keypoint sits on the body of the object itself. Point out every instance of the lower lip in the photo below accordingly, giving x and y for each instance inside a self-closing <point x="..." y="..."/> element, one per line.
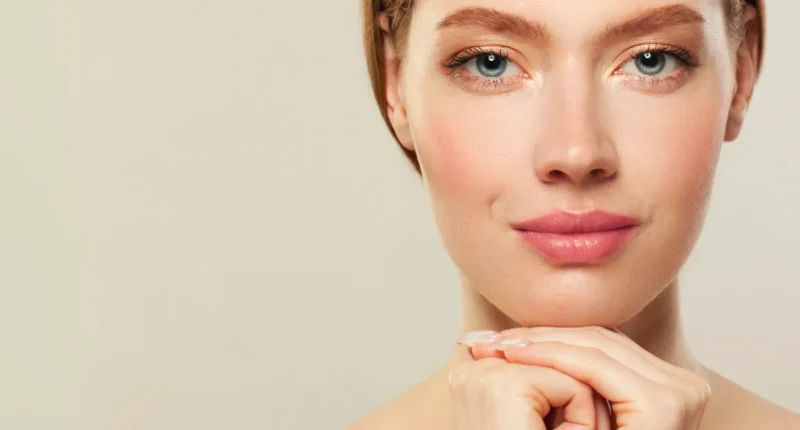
<point x="585" y="248"/>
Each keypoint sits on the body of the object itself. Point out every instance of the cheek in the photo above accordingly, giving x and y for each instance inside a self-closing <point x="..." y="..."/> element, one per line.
<point x="465" y="149"/>
<point x="671" y="150"/>
<point x="449" y="160"/>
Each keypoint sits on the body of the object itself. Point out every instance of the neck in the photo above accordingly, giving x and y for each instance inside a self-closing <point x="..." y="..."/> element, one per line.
<point x="658" y="329"/>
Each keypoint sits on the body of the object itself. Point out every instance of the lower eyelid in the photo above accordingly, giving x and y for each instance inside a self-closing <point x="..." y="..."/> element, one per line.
<point x="670" y="82"/>
<point x="488" y="85"/>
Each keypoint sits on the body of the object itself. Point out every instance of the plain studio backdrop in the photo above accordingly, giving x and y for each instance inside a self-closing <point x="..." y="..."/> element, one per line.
<point x="206" y="225"/>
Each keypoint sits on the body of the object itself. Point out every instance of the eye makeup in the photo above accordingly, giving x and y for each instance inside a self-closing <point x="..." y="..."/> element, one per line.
<point x="491" y="69"/>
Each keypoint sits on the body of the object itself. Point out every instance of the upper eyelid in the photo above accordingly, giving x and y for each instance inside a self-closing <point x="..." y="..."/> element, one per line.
<point x="658" y="47"/>
<point x="469" y="58"/>
<point x="684" y="58"/>
<point x="481" y="50"/>
<point x="511" y="54"/>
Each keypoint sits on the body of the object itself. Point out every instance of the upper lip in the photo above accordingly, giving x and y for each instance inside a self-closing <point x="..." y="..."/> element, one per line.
<point x="563" y="222"/>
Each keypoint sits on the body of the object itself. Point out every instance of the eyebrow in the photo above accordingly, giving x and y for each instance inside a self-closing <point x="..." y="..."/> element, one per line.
<point x="494" y="20"/>
<point x="497" y="21"/>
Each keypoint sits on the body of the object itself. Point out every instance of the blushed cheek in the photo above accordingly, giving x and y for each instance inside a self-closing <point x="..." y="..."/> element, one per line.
<point x="459" y="153"/>
<point x="441" y="149"/>
<point x="470" y="145"/>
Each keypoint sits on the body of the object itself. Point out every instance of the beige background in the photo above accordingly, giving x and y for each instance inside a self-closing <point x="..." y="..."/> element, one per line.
<point x="205" y="225"/>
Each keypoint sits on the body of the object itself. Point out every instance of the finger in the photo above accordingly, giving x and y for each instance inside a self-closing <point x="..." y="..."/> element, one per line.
<point x="617" y="345"/>
<point x="497" y="382"/>
<point x="559" y="390"/>
<point x="630" y="356"/>
<point x="612" y="342"/>
<point x="602" y="413"/>
<point x="496" y="347"/>
<point x="478" y="339"/>
<point x="602" y="417"/>
<point x="614" y="334"/>
<point x="614" y="381"/>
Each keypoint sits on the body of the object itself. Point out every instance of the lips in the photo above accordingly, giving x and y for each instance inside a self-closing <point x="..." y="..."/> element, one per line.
<point x="578" y="238"/>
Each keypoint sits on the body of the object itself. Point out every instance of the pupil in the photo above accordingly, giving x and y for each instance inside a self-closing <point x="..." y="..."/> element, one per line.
<point x="648" y="60"/>
<point x="491" y="65"/>
<point x="651" y="63"/>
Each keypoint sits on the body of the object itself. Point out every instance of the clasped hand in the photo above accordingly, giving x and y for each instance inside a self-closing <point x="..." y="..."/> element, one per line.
<point x="517" y="377"/>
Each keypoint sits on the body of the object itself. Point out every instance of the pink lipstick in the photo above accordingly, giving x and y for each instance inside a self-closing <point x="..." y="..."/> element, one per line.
<point x="578" y="238"/>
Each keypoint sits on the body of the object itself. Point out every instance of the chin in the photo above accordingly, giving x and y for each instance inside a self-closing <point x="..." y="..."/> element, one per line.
<point x="576" y="297"/>
<point x="574" y="316"/>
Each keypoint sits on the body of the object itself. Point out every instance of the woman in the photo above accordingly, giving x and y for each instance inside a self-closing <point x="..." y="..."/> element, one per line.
<point x="568" y="149"/>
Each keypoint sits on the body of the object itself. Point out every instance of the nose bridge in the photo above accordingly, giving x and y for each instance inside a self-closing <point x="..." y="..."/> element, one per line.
<point x="573" y="145"/>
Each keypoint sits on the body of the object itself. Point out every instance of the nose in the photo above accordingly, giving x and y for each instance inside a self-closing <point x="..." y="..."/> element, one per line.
<point x="573" y="146"/>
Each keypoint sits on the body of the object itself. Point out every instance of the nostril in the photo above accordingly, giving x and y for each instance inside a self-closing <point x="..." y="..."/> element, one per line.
<point x="556" y="175"/>
<point x="597" y="174"/>
<point x="601" y="174"/>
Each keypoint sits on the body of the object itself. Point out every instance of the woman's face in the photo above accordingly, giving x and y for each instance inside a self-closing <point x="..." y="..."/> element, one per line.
<point x="524" y="109"/>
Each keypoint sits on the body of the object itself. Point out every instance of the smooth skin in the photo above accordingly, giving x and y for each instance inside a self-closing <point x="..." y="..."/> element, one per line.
<point x="571" y="124"/>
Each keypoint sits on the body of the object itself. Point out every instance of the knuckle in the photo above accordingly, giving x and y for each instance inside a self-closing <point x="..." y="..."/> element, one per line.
<point x="471" y="373"/>
<point x="697" y="388"/>
<point x="491" y="378"/>
<point x="539" y="403"/>
<point x="703" y="391"/>
<point x="457" y="377"/>
<point x="494" y="383"/>
<point x="673" y="400"/>
<point x="583" y="391"/>
<point x="596" y="355"/>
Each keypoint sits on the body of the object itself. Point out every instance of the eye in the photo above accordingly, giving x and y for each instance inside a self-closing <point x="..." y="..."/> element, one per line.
<point x="653" y="63"/>
<point x="491" y="65"/>
<point x="486" y="70"/>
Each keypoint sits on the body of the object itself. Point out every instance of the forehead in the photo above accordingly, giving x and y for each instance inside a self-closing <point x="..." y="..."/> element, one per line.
<point x="564" y="20"/>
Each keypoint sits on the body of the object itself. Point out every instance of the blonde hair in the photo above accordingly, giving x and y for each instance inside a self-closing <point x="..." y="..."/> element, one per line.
<point x="399" y="14"/>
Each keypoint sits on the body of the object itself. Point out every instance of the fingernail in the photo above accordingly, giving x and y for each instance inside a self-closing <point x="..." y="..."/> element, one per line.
<point x="512" y="343"/>
<point x="482" y="337"/>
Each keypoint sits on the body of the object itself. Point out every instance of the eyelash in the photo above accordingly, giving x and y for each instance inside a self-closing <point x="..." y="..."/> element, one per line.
<point x="457" y="62"/>
<point x="685" y="59"/>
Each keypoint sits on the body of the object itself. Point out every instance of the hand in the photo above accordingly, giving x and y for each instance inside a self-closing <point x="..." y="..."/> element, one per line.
<point x="644" y="391"/>
<point x="493" y="394"/>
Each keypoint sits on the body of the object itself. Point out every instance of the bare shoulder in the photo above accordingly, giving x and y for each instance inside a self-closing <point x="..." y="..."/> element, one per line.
<point x="743" y="409"/>
<point x="778" y="417"/>
<point x="387" y="417"/>
<point x="418" y="409"/>
<point x="767" y="414"/>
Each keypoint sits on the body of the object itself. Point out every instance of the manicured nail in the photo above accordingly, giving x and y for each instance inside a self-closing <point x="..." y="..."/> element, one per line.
<point x="482" y="337"/>
<point x="512" y="343"/>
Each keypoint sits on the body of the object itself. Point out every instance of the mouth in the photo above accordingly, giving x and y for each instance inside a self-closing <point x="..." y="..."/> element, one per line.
<point x="578" y="238"/>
